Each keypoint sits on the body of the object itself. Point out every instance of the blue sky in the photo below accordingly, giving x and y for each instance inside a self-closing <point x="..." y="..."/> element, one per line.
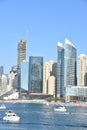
<point x="42" y="23"/>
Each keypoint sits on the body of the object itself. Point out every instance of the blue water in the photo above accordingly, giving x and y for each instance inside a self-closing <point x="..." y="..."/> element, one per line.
<point x="43" y="117"/>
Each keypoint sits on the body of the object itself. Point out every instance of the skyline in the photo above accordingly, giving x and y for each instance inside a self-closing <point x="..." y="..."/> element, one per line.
<point x="42" y="24"/>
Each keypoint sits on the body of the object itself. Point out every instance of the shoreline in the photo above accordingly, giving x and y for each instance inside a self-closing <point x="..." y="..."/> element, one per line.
<point x="43" y="101"/>
<point x="25" y="101"/>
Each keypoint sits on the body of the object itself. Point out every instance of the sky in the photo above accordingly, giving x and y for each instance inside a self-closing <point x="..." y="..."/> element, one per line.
<point x="42" y="23"/>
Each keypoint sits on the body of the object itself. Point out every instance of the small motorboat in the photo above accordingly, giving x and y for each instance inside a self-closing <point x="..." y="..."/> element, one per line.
<point x="2" y="106"/>
<point x="47" y="103"/>
<point x="11" y="116"/>
<point x="60" y="109"/>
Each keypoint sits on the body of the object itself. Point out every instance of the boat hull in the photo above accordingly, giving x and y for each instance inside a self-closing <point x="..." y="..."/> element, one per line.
<point x="11" y="119"/>
<point x="60" y="110"/>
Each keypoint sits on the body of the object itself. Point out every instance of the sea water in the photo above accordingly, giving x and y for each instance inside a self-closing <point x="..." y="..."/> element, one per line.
<point x="43" y="117"/>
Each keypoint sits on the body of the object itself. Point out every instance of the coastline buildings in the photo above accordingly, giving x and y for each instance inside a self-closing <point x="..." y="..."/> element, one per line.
<point x="76" y="93"/>
<point x="11" y="80"/>
<point x="1" y="70"/>
<point x="1" y="73"/>
<point x="66" y="67"/>
<point x="13" y="77"/>
<point x="49" y="77"/>
<point x="35" y="74"/>
<point x="35" y="78"/>
<point x="60" y="70"/>
<point x="82" y="70"/>
<point x="21" y="52"/>
<point x="51" y="84"/>
<point x="21" y="57"/>
<point x="70" y="62"/>
<point x="4" y="83"/>
<point x="24" y="76"/>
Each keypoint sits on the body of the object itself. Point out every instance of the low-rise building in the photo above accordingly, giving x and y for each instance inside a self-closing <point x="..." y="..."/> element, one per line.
<point x="75" y="93"/>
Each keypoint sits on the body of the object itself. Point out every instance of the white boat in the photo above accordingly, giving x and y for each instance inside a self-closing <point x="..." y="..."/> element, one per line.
<point x="11" y="112"/>
<point x="60" y="109"/>
<point x="11" y="116"/>
<point x="47" y="103"/>
<point x="2" y="106"/>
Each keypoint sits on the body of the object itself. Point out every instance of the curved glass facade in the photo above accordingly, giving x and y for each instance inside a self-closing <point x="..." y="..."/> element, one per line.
<point x="66" y="67"/>
<point x="70" y="65"/>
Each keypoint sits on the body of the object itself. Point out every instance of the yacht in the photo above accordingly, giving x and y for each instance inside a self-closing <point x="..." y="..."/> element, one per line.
<point x="11" y="116"/>
<point x="60" y="109"/>
<point x="2" y="106"/>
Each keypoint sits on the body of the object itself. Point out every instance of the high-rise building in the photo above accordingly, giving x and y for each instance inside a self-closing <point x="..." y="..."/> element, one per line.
<point x="21" y="52"/>
<point x="60" y="70"/>
<point x="51" y="85"/>
<point x="82" y="70"/>
<point x="35" y="74"/>
<point x="21" y="57"/>
<point x="4" y="84"/>
<point x="70" y="64"/>
<point x="14" y="78"/>
<point x="1" y="70"/>
<point x="24" y="76"/>
<point x="1" y="73"/>
<point x="11" y="80"/>
<point x="66" y="67"/>
<point x="49" y="74"/>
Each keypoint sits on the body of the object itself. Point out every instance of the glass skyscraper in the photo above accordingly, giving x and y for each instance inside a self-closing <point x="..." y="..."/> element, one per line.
<point x="70" y="63"/>
<point x="35" y="74"/>
<point x="60" y="70"/>
<point x="24" y="76"/>
<point x="66" y="67"/>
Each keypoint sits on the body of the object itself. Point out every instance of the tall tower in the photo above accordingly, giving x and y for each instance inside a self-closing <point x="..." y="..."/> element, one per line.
<point x="49" y="77"/>
<point x="21" y="52"/>
<point x="82" y="70"/>
<point x="24" y="76"/>
<point x="70" y="64"/>
<point x="66" y="67"/>
<point x="60" y="70"/>
<point x="35" y="74"/>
